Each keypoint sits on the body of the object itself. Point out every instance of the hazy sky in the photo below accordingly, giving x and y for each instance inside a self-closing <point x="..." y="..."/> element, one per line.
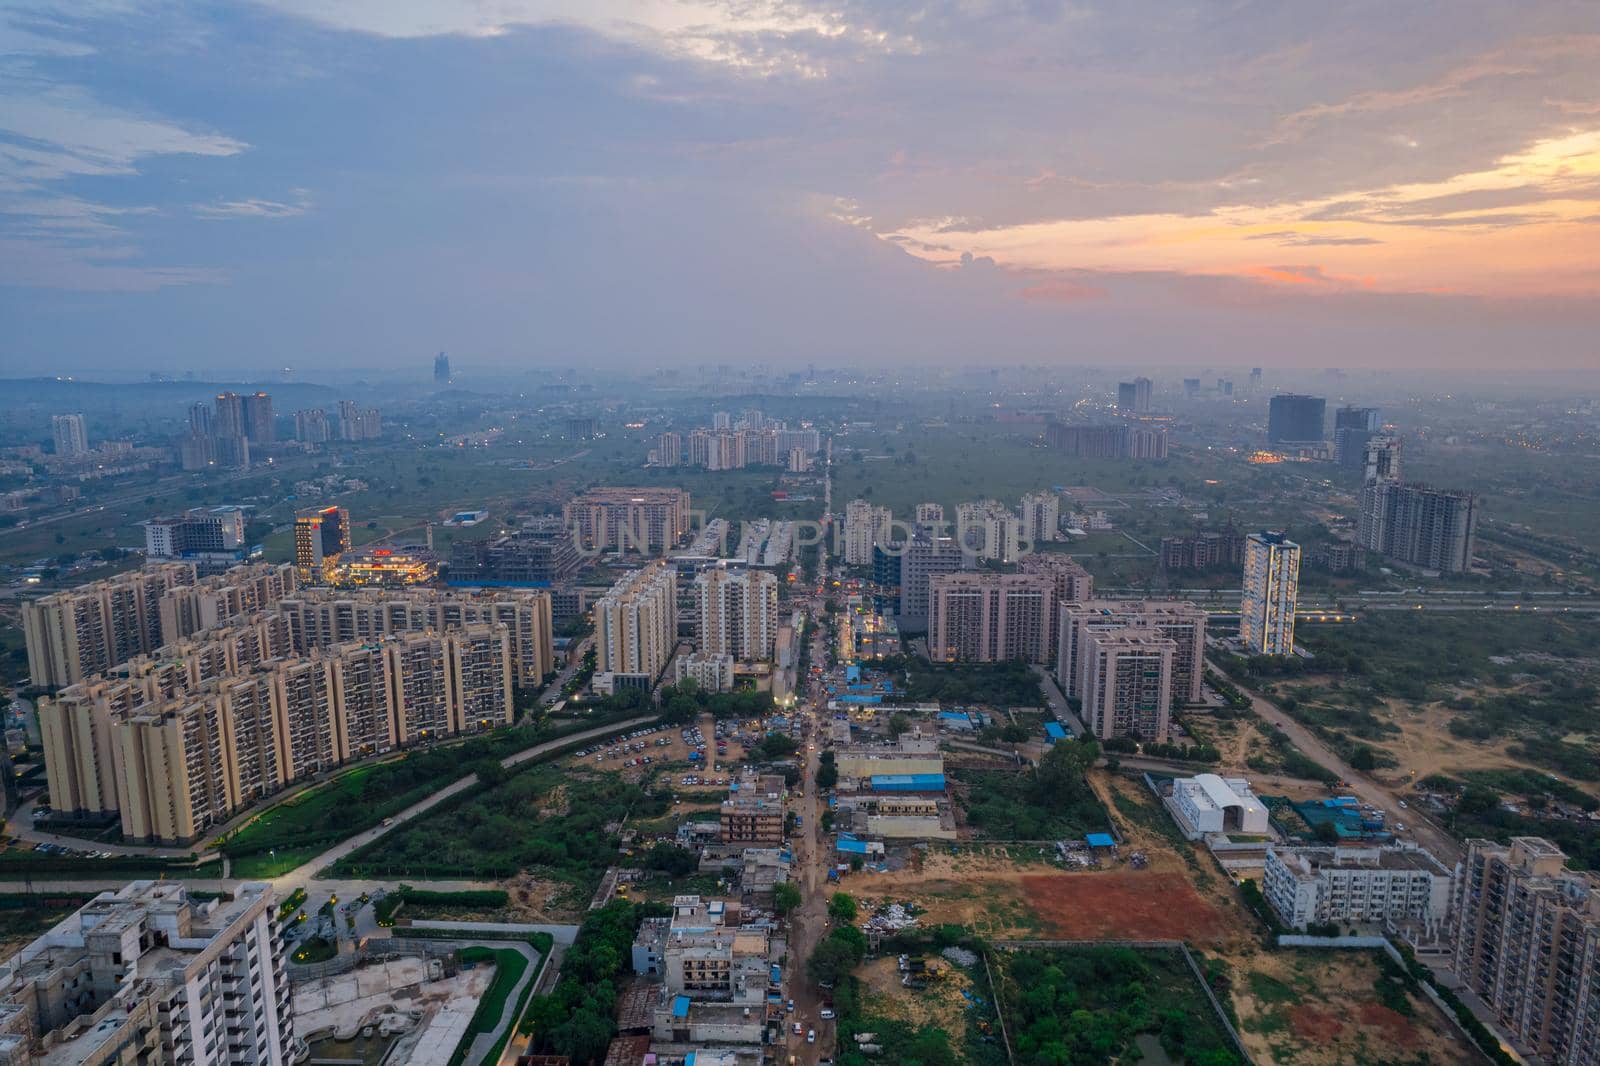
<point x="321" y="183"/>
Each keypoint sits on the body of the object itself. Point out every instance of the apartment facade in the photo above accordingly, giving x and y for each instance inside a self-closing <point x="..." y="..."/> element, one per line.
<point x="81" y="632"/>
<point x="990" y="617"/>
<point x="1181" y="622"/>
<point x="1391" y="884"/>
<point x="147" y="974"/>
<point x="1527" y="943"/>
<point x="865" y="527"/>
<point x="1127" y="684"/>
<point x="990" y="530"/>
<point x="738" y="613"/>
<point x="176" y="748"/>
<point x="645" y="520"/>
<point x="636" y="626"/>
<point x="1271" y="589"/>
<point x="1434" y="529"/>
<point x="1041" y="516"/>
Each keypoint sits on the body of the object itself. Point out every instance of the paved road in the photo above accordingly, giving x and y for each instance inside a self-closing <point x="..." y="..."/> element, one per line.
<point x="1058" y="702"/>
<point x="1424" y="830"/>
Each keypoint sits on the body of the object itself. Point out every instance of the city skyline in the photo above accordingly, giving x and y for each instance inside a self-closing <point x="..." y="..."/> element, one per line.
<point x="633" y="185"/>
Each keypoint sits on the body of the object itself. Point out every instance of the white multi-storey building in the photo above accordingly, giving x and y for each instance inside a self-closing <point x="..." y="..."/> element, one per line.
<point x="71" y="435"/>
<point x="147" y="974"/>
<point x="1207" y="803"/>
<point x="1390" y="884"/>
<point x="636" y="628"/>
<point x="990" y="530"/>
<point x="1271" y="587"/>
<point x="865" y="526"/>
<point x="710" y="671"/>
<point x="1041" y="516"/>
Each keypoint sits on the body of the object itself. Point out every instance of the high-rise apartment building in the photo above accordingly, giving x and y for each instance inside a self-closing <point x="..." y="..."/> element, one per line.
<point x="71" y="435"/>
<point x="1041" y="516"/>
<point x="1134" y="396"/>
<point x="1203" y="550"/>
<point x="535" y="557"/>
<point x="669" y="449"/>
<point x="1296" y="418"/>
<point x="187" y="609"/>
<point x="990" y="617"/>
<point x="76" y="634"/>
<point x="647" y="520"/>
<point x="359" y="423"/>
<point x="200" y="419"/>
<point x="311" y="426"/>
<point x="229" y="420"/>
<point x="636" y="628"/>
<point x="320" y="537"/>
<point x="1380" y="458"/>
<point x="1271" y="588"/>
<point x="216" y="724"/>
<point x="259" y="422"/>
<point x="930" y="515"/>
<point x="990" y="530"/>
<point x="1527" y="943"/>
<point x="1120" y="441"/>
<point x="920" y="559"/>
<point x="1184" y="624"/>
<point x="738" y="613"/>
<point x="441" y="369"/>
<point x="865" y="527"/>
<point x="1434" y="529"/>
<point x="1127" y="684"/>
<point x="147" y="974"/>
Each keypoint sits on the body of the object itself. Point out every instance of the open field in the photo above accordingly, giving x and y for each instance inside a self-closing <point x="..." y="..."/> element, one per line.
<point x="1323" y="1008"/>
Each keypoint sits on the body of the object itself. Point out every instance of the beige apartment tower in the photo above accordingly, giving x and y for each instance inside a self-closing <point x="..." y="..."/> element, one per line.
<point x="989" y="617"/>
<point x="636" y="626"/>
<point x="738" y="613"/>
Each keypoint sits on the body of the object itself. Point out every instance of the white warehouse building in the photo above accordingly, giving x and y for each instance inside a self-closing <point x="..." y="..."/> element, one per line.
<point x="1393" y="884"/>
<point x="1207" y="803"/>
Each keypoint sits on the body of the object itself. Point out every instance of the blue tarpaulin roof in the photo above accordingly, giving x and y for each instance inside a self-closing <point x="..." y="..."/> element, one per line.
<point x="680" y="1006"/>
<point x="853" y="847"/>
<point x="1100" y="840"/>
<point x="1054" y="731"/>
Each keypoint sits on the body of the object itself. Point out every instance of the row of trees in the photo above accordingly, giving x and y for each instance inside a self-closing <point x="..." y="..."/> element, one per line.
<point x="578" y="1017"/>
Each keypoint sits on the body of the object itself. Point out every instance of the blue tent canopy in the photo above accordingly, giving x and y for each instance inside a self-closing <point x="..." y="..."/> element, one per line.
<point x="1100" y="840"/>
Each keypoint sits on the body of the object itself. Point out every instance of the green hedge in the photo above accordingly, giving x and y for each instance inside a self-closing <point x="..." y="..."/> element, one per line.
<point x="509" y="968"/>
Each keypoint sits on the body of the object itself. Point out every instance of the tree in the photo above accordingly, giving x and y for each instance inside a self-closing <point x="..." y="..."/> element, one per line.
<point x="842" y="907"/>
<point x="899" y="723"/>
<point x="827" y="771"/>
<point x="1326" y="833"/>
<point x="785" y="897"/>
<point x="1363" y="758"/>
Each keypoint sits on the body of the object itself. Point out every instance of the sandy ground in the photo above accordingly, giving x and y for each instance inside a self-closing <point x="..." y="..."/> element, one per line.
<point x="1319" y="1009"/>
<point x="673" y="754"/>
<point x="1426" y="746"/>
<point x="940" y="1005"/>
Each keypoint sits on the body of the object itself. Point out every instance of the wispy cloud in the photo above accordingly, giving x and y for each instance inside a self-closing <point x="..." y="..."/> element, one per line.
<point x="255" y="208"/>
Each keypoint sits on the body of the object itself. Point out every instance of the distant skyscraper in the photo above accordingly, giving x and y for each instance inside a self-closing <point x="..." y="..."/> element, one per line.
<point x="311" y="426"/>
<point x="1255" y="377"/>
<point x="721" y="420"/>
<point x="72" y="436"/>
<point x="258" y="418"/>
<point x="669" y="450"/>
<point x="1134" y="396"/>
<point x="441" y="369"/>
<point x="864" y="527"/>
<point x="229" y="421"/>
<point x="1352" y="428"/>
<point x="200" y="419"/>
<point x="1292" y="417"/>
<point x="1041" y="516"/>
<point x="1271" y="587"/>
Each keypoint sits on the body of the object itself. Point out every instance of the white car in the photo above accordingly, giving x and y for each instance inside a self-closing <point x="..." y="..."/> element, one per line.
<point x="827" y="1014"/>
<point x="811" y="1036"/>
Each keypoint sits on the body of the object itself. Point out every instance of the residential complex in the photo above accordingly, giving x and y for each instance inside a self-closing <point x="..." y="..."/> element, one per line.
<point x="990" y="617"/>
<point x="1390" y="885"/>
<point x="85" y="631"/>
<point x="989" y="530"/>
<point x="1271" y="588"/>
<point x="715" y="968"/>
<point x="1119" y="441"/>
<point x="1203" y="550"/>
<point x="212" y="538"/>
<point x="1429" y="528"/>
<point x="628" y="519"/>
<point x="738" y="612"/>
<point x="1184" y="624"/>
<point x="1527" y="943"/>
<point x="636" y="628"/>
<point x="181" y="743"/>
<point x="925" y="555"/>
<point x="1133" y="396"/>
<point x="148" y="974"/>
<point x="710" y="671"/>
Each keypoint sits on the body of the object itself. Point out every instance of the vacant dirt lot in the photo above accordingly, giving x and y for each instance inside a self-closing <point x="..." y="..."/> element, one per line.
<point x="1126" y="905"/>
<point x="940" y="1005"/>
<point x="1315" y="1008"/>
